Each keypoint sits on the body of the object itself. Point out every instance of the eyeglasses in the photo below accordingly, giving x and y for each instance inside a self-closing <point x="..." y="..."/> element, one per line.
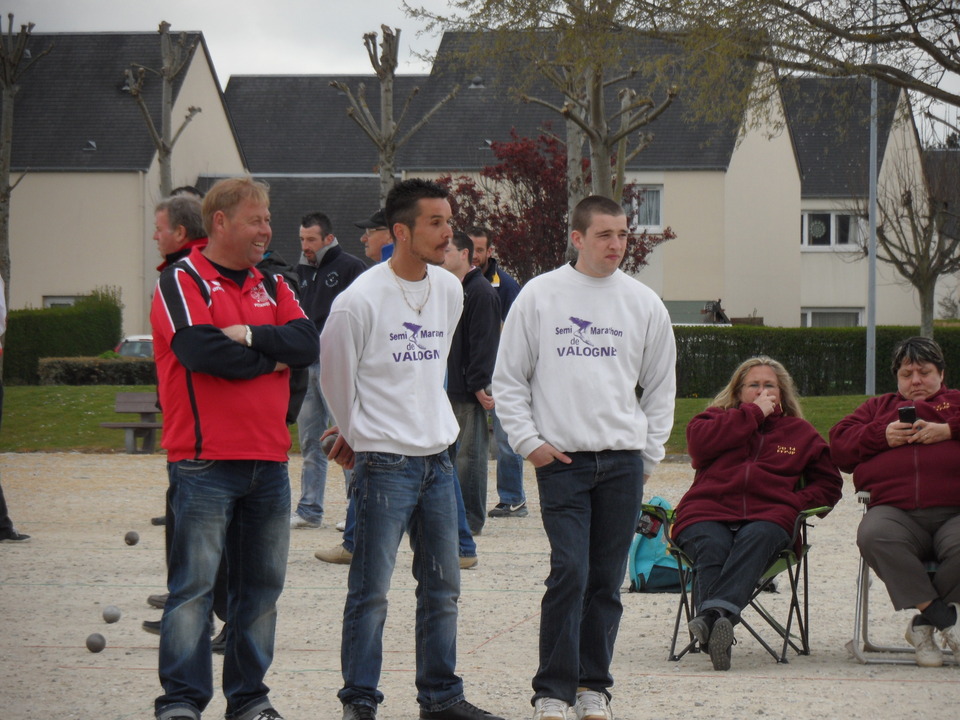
<point x="371" y="231"/>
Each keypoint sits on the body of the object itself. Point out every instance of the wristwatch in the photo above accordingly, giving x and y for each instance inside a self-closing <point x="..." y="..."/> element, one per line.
<point x="248" y="338"/>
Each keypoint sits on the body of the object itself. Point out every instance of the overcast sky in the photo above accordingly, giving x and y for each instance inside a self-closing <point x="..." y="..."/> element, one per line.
<point x="272" y="37"/>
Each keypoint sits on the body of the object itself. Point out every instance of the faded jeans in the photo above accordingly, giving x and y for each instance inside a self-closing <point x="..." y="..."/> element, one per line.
<point x="243" y="506"/>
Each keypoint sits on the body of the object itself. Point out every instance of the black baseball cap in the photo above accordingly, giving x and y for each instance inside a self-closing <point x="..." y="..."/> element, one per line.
<point x="377" y="220"/>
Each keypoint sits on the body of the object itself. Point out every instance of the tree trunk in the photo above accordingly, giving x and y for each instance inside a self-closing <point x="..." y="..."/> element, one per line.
<point x="6" y="149"/>
<point x="166" y="118"/>
<point x="927" y="293"/>
<point x="388" y="151"/>
<point x="600" y="151"/>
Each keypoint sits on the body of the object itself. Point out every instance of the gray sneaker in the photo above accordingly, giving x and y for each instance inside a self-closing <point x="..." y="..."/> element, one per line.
<point x="503" y="510"/>
<point x="921" y="637"/>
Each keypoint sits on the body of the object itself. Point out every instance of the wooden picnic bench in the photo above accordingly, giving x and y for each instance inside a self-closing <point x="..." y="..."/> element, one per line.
<point x="144" y="429"/>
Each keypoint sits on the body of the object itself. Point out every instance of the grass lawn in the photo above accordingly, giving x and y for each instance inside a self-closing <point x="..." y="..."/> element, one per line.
<point x="65" y="417"/>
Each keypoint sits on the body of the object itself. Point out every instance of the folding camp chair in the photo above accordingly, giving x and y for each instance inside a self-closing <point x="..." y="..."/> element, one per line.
<point x="792" y="560"/>
<point x="861" y="643"/>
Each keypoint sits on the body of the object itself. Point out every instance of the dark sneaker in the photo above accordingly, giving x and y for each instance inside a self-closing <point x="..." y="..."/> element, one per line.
<point x="503" y="510"/>
<point x="158" y="601"/>
<point x="460" y="711"/>
<point x="14" y="536"/>
<point x="721" y="642"/>
<point x="218" y="644"/>
<point x="356" y="711"/>
<point x="267" y="714"/>
<point x="151" y="626"/>
<point x="162" y="520"/>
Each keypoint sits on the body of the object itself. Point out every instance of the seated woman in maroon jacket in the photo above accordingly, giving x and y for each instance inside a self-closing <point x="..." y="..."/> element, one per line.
<point x="912" y="471"/>
<point x="750" y="448"/>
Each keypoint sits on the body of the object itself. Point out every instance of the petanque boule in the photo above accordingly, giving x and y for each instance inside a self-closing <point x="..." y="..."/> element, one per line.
<point x="111" y="613"/>
<point x="327" y="443"/>
<point x="96" y="642"/>
<point x="132" y="537"/>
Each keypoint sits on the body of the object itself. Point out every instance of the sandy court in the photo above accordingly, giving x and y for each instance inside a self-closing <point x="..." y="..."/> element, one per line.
<point x="78" y="507"/>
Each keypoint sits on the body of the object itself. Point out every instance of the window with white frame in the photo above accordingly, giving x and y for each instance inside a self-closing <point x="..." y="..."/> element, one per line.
<point x="828" y="229"/>
<point x="55" y="301"/>
<point x="644" y="209"/>
<point x="830" y="317"/>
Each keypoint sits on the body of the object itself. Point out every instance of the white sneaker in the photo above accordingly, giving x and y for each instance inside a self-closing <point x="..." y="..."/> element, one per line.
<point x="592" y="705"/>
<point x="921" y="637"/>
<point x="951" y="635"/>
<point x="342" y="525"/>
<point x="549" y="709"/>
<point x="298" y="522"/>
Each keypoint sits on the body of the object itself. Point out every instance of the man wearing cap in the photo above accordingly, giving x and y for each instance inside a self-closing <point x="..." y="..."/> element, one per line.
<point x="377" y="243"/>
<point x="325" y="271"/>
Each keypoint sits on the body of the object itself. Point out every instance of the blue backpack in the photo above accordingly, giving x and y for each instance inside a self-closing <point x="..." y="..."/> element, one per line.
<point x="651" y="568"/>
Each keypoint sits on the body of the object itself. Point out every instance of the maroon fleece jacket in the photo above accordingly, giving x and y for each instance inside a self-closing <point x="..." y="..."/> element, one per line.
<point x="749" y="467"/>
<point x="909" y="476"/>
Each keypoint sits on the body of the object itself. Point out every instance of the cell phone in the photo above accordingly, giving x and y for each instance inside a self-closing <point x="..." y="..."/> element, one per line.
<point x="908" y="414"/>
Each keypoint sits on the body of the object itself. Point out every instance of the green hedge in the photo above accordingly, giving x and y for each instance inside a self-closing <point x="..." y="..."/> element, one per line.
<point x="822" y="361"/>
<point x="97" y="371"/>
<point x="85" y="329"/>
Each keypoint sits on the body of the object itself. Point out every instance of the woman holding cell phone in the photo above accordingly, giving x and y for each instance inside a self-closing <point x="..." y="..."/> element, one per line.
<point x="904" y="449"/>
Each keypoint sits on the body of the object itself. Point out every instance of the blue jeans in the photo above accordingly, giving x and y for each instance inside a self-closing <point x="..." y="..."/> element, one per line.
<point x="469" y="455"/>
<point x="397" y="493"/>
<point x="468" y="546"/>
<point x="728" y="560"/>
<point x="590" y="510"/>
<point x="311" y="422"/>
<point x="509" y="467"/>
<point x="242" y="507"/>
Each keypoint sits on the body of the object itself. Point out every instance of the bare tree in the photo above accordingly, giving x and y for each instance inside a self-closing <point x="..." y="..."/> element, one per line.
<point x="385" y="134"/>
<point x="15" y="60"/>
<point x="917" y="42"/>
<point x="918" y="225"/>
<point x="576" y="46"/>
<point x="175" y="56"/>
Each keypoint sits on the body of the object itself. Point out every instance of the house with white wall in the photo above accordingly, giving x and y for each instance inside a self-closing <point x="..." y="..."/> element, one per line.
<point x="82" y="213"/>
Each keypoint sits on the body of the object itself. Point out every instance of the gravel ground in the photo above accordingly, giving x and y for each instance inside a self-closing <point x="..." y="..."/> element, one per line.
<point x="78" y="508"/>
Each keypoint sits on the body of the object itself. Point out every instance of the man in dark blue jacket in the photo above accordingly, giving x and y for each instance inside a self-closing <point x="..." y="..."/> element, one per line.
<point x="469" y="373"/>
<point x="325" y="271"/>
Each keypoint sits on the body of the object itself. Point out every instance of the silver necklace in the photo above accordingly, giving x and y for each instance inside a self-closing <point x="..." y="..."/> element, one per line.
<point x="396" y="278"/>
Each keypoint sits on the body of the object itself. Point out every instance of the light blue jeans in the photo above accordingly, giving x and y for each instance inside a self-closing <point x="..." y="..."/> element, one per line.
<point x="509" y="467"/>
<point x="311" y="422"/>
<point x="469" y="455"/>
<point x="242" y="506"/>
<point x="392" y="494"/>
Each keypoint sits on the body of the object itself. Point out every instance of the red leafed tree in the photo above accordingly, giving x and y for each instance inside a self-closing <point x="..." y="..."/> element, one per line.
<point x="522" y="198"/>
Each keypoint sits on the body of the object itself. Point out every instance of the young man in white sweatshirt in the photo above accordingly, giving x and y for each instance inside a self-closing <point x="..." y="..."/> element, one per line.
<point x="383" y="356"/>
<point x="585" y="386"/>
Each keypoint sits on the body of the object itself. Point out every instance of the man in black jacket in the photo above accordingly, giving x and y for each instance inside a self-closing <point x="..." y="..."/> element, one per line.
<point x="325" y="271"/>
<point x="469" y="373"/>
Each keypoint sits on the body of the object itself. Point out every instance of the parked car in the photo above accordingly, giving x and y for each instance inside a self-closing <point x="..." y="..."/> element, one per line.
<point x="136" y="346"/>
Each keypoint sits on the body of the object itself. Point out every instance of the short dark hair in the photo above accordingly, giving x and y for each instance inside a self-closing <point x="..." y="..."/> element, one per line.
<point x="183" y="210"/>
<point x="480" y="231"/>
<point x="462" y="241"/>
<point x="917" y="350"/>
<point x="401" y="206"/>
<point x="593" y="205"/>
<point x="317" y="218"/>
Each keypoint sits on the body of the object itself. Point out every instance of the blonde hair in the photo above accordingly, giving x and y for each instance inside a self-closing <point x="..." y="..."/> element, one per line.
<point x="729" y="397"/>
<point x="227" y="194"/>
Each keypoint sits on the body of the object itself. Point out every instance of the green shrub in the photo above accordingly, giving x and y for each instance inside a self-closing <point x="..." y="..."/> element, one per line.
<point x="97" y="371"/>
<point x="822" y="361"/>
<point x="87" y="328"/>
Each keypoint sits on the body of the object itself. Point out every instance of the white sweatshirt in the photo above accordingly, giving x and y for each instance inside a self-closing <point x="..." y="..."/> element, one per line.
<point x="382" y="366"/>
<point x="573" y="349"/>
